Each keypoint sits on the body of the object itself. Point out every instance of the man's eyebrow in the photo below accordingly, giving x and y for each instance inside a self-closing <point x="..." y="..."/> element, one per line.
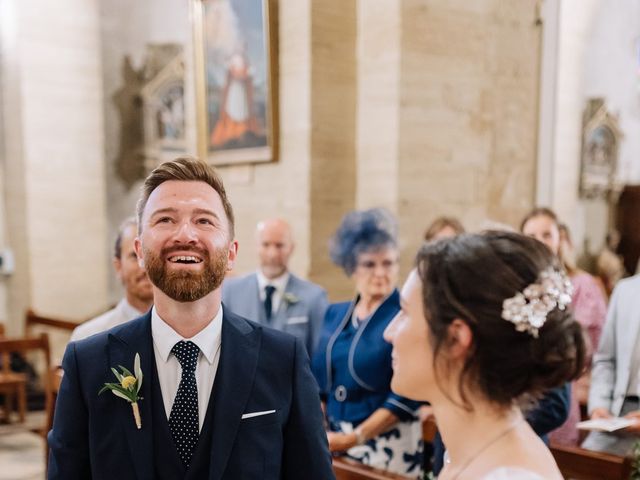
<point x="164" y="210"/>
<point x="197" y="211"/>
<point x="204" y="211"/>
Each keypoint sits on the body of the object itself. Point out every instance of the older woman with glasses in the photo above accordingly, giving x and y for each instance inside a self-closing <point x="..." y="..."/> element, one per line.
<point x="352" y="364"/>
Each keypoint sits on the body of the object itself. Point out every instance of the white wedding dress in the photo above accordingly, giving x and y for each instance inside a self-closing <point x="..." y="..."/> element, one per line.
<point x="511" y="473"/>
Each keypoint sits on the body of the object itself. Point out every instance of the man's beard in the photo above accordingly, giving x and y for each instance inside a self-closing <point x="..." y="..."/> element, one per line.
<point x="185" y="285"/>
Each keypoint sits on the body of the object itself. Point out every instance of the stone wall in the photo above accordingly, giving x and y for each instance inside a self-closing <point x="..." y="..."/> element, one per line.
<point x="53" y="158"/>
<point x="423" y="107"/>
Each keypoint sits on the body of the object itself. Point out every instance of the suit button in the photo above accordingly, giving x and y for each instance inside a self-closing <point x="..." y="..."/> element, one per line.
<point x="340" y="393"/>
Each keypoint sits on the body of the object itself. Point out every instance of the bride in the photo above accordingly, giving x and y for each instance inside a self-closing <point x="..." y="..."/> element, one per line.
<point x="484" y="328"/>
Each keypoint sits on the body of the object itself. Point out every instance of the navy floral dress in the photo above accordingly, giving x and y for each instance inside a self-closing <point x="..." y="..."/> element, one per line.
<point x="353" y="368"/>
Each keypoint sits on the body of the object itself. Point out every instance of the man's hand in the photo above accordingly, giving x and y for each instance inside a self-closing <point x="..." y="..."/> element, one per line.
<point x="339" y="442"/>
<point x="635" y="415"/>
<point x="600" y="413"/>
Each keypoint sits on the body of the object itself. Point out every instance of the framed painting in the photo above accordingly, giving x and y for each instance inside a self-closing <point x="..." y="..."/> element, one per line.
<point x="236" y="90"/>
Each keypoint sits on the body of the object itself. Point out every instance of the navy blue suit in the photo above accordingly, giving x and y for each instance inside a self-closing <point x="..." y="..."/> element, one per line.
<point x="94" y="436"/>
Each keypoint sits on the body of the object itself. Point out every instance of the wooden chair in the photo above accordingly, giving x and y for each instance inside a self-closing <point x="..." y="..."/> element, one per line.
<point x="32" y="319"/>
<point x="14" y="385"/>
<point x="347" y="469"/>
<point x="581" y="464"/>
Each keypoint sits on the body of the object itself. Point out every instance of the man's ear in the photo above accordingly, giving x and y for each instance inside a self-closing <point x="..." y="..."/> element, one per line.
<point x="460" y="339"/>
<point x="233" y="254"/>
<point x="137" y="246"/>
<point x="117" y="266"/>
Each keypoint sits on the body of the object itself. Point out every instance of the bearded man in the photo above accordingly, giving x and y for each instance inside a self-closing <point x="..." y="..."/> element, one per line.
<point x="200" y="393"/>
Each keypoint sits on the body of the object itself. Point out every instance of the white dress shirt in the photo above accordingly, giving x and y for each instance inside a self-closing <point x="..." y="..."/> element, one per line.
<point x="121" y="313"/>
<point x="280" y="283"/>
<point x="169" y="371"/>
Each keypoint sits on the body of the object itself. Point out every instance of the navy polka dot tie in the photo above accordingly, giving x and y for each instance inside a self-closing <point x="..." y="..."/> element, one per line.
<point x="183" y="419"/>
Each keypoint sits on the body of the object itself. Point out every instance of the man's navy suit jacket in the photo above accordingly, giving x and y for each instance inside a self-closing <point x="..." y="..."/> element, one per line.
<point x="95" y="437"/>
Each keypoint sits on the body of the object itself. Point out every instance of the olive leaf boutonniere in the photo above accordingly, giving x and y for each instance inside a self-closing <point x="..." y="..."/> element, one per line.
<point x="290" y="298"/>
<point x="128" y="387"/>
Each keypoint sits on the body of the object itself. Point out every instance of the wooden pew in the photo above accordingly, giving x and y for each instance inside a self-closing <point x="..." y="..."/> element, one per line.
<point x="347" y="469"/>
<point x="581" y="464"/>
<point x="32" y="319"/>
<point x="12" y="384"/>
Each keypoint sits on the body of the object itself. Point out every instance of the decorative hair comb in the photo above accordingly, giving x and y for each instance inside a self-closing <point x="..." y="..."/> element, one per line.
<point x="528" y="309"/>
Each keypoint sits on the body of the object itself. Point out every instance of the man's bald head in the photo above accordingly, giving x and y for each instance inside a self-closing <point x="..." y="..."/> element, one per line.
<point x="275" y="245"/>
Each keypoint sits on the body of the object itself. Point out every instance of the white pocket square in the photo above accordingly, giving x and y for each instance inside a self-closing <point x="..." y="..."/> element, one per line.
<point x="295" y="320"/>
<point x="257" y="414"/>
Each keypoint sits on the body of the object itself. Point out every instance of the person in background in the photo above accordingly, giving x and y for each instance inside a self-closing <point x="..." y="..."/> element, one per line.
<point x="609" y="265"/>
<point x="352" y="363"/>
<point x="588" y="303"/>
<point x="274" y="296"/>
<point x="472" y="345"/>
<point x="138" y="294"/>
<point x="443" y="227"/>
<point x="615" y="376"/>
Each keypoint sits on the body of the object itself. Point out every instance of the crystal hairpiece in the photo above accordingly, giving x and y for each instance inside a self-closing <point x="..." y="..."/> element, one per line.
<point x="528" y="309"/>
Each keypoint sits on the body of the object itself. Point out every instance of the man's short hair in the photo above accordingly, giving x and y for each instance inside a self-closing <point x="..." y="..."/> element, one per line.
<point x="187" y="169"/>
<point x="117" y="248"/>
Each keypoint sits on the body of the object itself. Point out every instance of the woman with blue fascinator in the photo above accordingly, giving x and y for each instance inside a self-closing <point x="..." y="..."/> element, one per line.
<point x="352" y="364"/>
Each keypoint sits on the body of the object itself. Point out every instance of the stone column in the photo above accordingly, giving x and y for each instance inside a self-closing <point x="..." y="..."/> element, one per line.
<point x="54" y="158"/>
<point x="333" y="133"/>
<point x="468" y="113"/>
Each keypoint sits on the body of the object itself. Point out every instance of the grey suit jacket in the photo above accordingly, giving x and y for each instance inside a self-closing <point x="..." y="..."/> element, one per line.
<point x="302" y="315"/>
<point x="611" y="363"/>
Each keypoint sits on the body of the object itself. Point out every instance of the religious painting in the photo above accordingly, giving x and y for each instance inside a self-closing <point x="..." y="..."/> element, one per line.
<point x="235" y="87"/>
<point x="600" y="140"/>
<point x="163" y="103"/>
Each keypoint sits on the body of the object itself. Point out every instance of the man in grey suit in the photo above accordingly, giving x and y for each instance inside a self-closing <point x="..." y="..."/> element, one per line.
<point x="274" y="296"/>
<point x="615" y="382"/>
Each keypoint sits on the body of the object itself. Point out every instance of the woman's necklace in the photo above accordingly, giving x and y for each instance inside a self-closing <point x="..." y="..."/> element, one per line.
<point x="483" y="448"/>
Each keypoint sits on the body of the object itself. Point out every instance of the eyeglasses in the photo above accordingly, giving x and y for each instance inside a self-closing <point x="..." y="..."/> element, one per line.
<point x="371" y="266"/>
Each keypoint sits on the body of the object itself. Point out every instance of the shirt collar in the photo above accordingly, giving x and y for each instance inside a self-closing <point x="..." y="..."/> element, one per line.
<point x="129" y="310"/>
<point x="208" y="339"/>
<point x="279" y="282"/>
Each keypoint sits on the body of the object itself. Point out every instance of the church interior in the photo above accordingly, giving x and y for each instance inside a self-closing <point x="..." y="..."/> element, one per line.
<point x="479" y="110"/>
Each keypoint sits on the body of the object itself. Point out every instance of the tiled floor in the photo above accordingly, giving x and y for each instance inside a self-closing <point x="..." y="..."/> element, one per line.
<point x="21" y="452"/>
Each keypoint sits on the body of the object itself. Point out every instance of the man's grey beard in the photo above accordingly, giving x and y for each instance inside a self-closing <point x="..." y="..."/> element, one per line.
<point x="184" y="285"/>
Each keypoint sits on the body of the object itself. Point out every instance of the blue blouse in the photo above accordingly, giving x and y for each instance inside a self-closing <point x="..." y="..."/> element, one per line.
<point x="352" y="364"/>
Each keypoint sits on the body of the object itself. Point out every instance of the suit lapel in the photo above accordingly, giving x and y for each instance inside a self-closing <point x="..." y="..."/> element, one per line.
<point x="257" y="305"/>
<point x="123" y="346"/>
<point x="280" y="318"/>
<point x="232" y="387"/>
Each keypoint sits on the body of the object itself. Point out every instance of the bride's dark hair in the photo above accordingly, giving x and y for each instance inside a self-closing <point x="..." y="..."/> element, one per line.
<point x="468" y="278"/>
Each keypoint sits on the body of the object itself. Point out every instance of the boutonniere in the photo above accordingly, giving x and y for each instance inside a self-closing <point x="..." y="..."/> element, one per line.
<point x="128" y="387"/>
<point x="290" y="298"/>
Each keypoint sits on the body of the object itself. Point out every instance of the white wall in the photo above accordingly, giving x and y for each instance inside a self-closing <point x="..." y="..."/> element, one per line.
<point x="612" y="70"/>
<point x="53" y="159"/>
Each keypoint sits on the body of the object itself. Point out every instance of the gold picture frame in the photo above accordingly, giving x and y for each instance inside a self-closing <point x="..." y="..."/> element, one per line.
<point x="235" y="48"/>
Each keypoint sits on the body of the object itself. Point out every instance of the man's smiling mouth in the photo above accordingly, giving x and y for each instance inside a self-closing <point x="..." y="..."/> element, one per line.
<point x="184" y="259"/>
